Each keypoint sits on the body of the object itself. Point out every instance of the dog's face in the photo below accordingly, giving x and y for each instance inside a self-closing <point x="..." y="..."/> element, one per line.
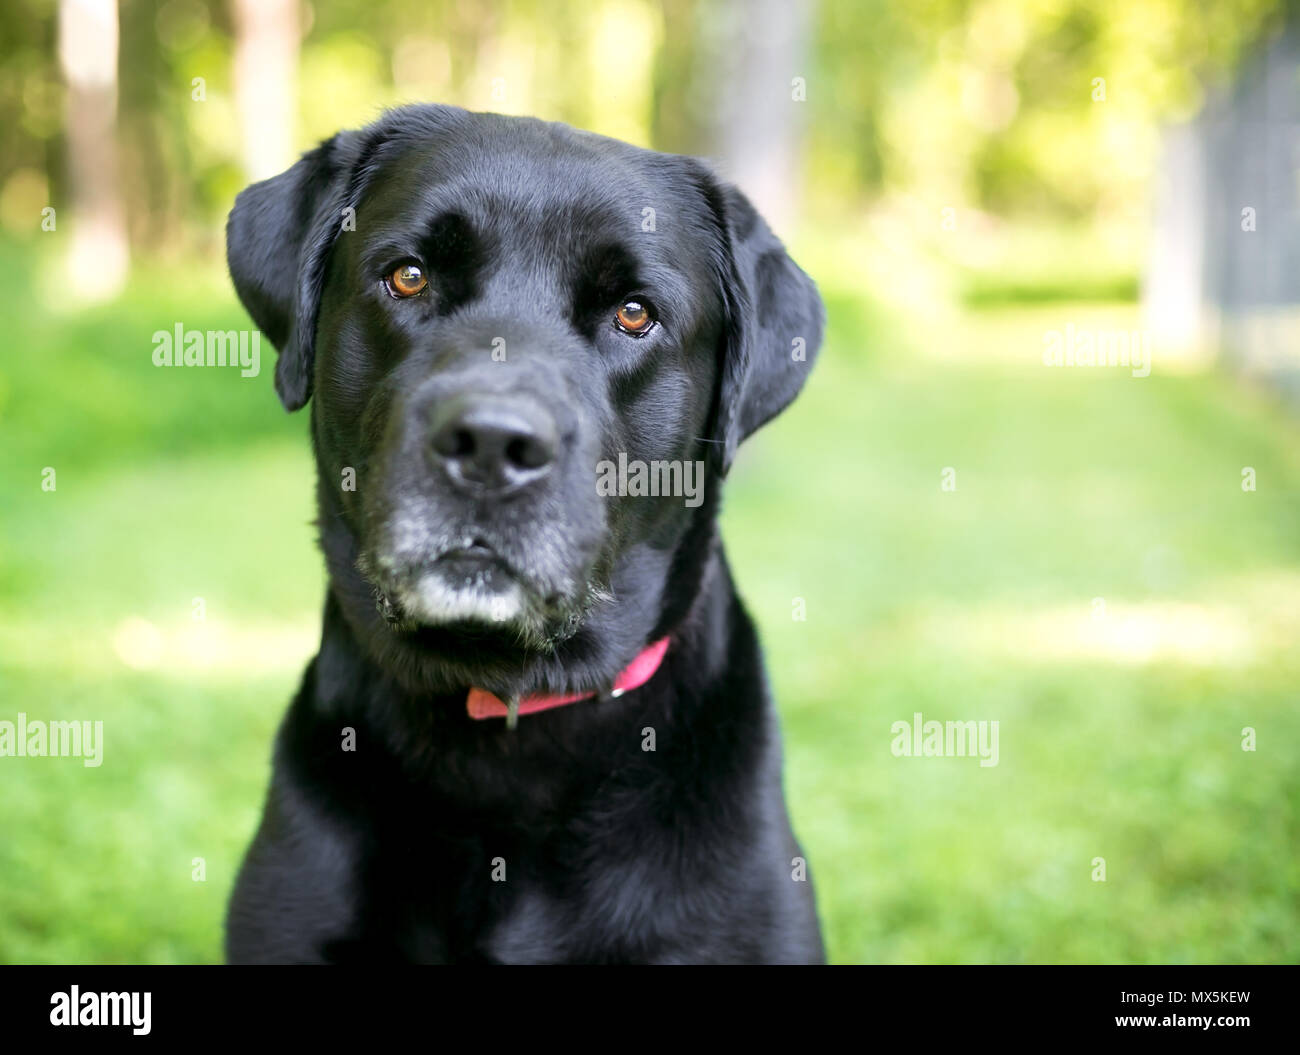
<point x="495" y="316"/>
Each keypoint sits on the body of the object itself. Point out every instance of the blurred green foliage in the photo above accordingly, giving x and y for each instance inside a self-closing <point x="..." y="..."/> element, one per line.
<point x="987" y="104"/>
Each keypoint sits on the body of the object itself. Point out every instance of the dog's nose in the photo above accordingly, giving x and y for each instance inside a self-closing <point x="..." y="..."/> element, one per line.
<point x="493" y="443"/>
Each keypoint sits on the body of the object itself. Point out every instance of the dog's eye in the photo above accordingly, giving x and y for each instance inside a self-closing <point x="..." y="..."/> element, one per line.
<point x="634" y="317"/>
<point x="406" y="281"/>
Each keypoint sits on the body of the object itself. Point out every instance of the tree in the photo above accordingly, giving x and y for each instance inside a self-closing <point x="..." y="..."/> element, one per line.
<point x="88" y="45"/>
<point x="267" y="39"/>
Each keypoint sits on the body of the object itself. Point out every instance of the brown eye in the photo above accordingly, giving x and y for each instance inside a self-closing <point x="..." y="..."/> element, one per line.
<point x="407" y="281"/>
<point x="633" y="317"/>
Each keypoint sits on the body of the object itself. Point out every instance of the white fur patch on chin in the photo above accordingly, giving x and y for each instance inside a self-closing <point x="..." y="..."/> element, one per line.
<point x="434" y="600"/>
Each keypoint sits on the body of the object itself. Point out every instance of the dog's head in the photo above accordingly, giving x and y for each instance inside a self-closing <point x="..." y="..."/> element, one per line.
<point x="516" y="336"/>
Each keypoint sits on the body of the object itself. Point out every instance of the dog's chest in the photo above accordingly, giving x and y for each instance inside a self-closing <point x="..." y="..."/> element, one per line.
<point x="594" y="890"/>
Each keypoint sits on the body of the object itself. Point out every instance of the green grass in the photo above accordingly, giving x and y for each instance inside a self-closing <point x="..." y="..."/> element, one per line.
<point x="1120" y="735"/>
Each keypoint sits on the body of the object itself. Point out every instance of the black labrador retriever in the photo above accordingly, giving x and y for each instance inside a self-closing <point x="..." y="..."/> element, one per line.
<point x="538" y="728"/>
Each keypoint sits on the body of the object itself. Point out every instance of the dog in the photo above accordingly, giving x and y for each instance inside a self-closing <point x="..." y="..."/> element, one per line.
<point x="538" y="727"/>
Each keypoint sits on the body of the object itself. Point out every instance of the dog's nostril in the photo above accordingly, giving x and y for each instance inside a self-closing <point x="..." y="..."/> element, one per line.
<point x="463" y="441"/>
<point x="527" y="452"/>
<point x="454" y="442"/>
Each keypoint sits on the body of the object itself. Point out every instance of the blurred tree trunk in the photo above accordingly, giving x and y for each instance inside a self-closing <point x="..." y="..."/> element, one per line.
<point x="88" y="46"/>
<point x="267" y="40"/>
<point x="755" y="52"/>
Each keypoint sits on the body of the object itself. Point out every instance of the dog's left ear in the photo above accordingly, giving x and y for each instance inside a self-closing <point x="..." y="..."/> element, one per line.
<point x="278" y="239"/>
<point x="772" y="326"/>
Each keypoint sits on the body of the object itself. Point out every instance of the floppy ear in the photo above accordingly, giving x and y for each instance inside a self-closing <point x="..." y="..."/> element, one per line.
<point x="773" y="321"/>
<point x="278" y="239"/>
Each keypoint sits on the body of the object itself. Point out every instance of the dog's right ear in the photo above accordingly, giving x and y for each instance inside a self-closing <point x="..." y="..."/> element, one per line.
<point x="278" y="239"/>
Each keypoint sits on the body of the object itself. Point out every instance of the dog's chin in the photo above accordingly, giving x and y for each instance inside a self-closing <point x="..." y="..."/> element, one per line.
<point x="475" y="596"/>
<point x="452" y="591"/>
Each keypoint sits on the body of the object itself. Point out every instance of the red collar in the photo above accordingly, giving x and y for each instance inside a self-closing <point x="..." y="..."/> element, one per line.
<point x="482" y="704"/>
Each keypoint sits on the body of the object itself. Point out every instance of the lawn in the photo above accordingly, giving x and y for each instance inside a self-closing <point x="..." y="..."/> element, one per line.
<point x="1097" y="582"/>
